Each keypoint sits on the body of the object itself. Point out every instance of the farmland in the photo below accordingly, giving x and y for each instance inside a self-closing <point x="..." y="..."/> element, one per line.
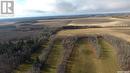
<point x="78" y="45"/>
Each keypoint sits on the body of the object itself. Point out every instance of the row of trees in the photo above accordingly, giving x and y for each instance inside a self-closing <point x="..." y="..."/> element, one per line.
<point x="47" y="36"/>
<point x="15" y="52"/>
<point x="69" y="44"/>
<point x="123" y="50"/>
<point x="41" y="60"/>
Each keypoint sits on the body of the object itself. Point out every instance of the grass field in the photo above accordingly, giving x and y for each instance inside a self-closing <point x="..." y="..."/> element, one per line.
<point x="54" y="58"/>
<point x="84" y="59"/>
<point x="87" y="62"/>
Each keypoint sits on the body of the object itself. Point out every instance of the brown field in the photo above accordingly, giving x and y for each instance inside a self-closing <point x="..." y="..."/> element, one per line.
<point x="118" y="27"/>
<point x="110" y="25"/>
<point x="101" y="21"/>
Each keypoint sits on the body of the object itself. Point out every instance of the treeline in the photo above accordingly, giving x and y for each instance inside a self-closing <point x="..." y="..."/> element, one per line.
<point x="13" y="53"/>
<point x="41" y="60"/>
<point x="123" y="51"/>
<point x="79" y="27"/>
<point x="69" y="44"/>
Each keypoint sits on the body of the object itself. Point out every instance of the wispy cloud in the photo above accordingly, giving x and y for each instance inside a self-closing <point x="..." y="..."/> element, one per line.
<point x="92" y="5"/>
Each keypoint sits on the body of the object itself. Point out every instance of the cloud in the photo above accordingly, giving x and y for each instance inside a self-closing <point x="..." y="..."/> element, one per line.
<point x="92" y="5"/>
<point x="33" y="8"/>
<point x="64" y="6"/>
<point x="24" y="8"/>
<point x="37" y="11"/>
<point x="55" y="7"/>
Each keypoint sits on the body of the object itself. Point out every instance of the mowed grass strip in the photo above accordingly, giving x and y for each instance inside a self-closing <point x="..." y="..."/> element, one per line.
<point x="54" y="58"/>
<point x="87" y="62"/>
<point x="84" y="60"/>
<point x="107" y="63"/>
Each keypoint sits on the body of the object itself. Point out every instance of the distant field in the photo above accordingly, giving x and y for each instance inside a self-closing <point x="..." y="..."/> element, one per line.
<point x="126" y="31"/>
<point x="101" y="21"/>
<point x="94" y="20"/>
<point x="29" y="28"/>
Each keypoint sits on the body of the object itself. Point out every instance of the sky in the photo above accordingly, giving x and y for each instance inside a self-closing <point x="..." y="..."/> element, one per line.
<point x="30" y="8"/>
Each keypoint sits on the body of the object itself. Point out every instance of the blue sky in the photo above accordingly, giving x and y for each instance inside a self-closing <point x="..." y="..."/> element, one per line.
<point x="28" y="8"/>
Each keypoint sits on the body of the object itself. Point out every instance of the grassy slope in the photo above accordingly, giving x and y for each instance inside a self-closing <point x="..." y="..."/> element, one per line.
<point x="87" y="62"/>
<point x="84" y="61"/>
<point x="107" y="63"/>
<point x="54" y="59"/>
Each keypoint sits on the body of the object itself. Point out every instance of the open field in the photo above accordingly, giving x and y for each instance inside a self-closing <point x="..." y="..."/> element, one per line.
<point x="98" y="31"/>
<point x="22" y="29"/>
